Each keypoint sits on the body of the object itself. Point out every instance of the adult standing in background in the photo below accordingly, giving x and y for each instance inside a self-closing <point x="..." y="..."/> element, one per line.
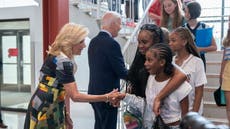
<point x="114" y="5"/>
<point x="106" y="66"/>
<point x="132" y="9"/>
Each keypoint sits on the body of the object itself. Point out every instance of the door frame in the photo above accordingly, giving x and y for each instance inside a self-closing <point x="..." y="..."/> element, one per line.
<point x="19" y="35"/>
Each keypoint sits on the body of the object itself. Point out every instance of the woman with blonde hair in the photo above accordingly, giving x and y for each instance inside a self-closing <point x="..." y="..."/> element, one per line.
<point x="49" y="105"/>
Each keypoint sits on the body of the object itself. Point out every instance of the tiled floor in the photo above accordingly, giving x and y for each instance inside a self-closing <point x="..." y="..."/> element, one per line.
<point x="81" y="113"/>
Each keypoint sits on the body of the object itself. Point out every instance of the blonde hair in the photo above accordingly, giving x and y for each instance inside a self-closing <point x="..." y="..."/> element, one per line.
<point x="69" y="35"/>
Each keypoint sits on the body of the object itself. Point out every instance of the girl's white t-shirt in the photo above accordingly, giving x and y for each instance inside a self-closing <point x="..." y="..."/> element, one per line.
<point x="194" y="69"/>
<point x="170" y="108"/>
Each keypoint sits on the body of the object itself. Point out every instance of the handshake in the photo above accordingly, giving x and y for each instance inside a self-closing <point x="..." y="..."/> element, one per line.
<point x="114" y="97"/>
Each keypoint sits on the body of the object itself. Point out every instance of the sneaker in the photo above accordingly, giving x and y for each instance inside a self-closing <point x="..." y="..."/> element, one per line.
<point x="3" y="125"/>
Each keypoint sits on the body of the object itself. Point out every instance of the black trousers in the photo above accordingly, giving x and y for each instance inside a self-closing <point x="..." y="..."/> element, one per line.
<point x="105" y="116"/>
<point x="202" y="56"/>
<point x="1" y="115"/>
<point x="1" y="118"/>
<point x="132" y="5"/>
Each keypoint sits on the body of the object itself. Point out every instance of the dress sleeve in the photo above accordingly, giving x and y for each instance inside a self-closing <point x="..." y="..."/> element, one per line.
<point x="64" y="70"/>
<point x="135" y="102"/>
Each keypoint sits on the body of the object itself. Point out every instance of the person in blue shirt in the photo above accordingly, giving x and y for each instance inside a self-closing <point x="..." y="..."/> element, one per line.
<point x="192" y="12"/>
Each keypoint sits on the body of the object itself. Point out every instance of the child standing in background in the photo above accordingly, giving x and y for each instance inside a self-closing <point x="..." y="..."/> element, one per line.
<point x="192" y="12"/>
<point x="172" y="17"/>
<point x="225" y="71"/>
<point x="182" y="43"/>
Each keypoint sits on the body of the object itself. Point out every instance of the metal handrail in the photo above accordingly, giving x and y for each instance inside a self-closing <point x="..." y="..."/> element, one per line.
<point x="144" y="19"/>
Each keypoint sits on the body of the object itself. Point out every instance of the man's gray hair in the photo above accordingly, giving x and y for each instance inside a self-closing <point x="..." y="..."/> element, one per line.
<point x="109" y="18"/>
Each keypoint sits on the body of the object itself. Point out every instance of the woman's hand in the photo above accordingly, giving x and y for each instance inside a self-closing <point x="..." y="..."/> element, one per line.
<point x="112" y="97"/>
<point x="115" y="98"/>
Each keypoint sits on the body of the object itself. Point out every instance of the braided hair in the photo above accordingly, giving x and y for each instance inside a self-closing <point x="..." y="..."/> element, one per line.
<point x="163" y="51"/>
<point x="156" y="32"/>
<point x="185" y="34"/>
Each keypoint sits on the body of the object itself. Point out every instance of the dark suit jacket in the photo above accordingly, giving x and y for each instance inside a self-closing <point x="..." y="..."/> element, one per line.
<point x="106" y="64"/>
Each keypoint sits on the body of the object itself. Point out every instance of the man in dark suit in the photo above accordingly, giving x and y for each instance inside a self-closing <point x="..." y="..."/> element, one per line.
<point x="106" y="66"/>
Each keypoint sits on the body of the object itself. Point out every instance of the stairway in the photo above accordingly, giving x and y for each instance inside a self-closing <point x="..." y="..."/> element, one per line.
<point x="87" y="12"/>
<point x="211" y="110"/>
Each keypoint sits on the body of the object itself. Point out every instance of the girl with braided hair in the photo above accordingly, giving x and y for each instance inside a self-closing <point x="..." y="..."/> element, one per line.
<point x="182" y="43"/>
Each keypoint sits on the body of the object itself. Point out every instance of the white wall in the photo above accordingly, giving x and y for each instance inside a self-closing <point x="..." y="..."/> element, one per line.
<point x="34" y="13"/>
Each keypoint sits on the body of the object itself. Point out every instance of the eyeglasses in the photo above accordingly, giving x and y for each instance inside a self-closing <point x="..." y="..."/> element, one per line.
<point x="153" y="28"/>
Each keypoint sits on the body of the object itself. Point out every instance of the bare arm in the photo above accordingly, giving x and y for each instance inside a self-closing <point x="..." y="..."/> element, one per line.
<point x="210" y="48"/>
<point x="68" y="120"/>
<point x="154" y="16"/>
<point x="76" y="96"/>
<point x="178" y="78"/>
<point x="67" y="104"/>
<point x="223" y="63"/>
<point x="184" y="106"/>
<point x="198" y="98"/>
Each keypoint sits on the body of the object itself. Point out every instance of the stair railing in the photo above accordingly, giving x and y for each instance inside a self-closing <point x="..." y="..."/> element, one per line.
<point x="130" y="47"/>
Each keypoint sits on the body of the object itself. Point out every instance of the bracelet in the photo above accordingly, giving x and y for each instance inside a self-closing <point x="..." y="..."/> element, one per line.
<point x="107" y="98"/>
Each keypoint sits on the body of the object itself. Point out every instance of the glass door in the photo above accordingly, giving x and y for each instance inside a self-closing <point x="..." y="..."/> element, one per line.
<point x="15" y="69"/>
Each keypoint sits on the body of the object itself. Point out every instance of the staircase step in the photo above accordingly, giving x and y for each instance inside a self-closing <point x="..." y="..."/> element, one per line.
<point x="208" y="93"/>
<point x="213" y="79"/>
<point x="214" y="56"/>
<point x="213" y="67"/>
<point x="211" y="110"/>
<point x="91" y="8"/>
<point x="74" y="2"/>
<point x="218" y="121"/>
